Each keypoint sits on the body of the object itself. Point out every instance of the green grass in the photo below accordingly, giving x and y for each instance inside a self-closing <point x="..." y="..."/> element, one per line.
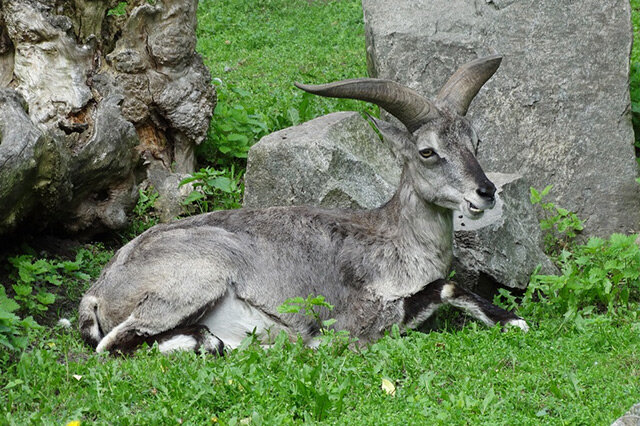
<point x="474" y="376"/>
<point x="256" y="50"/>
<point x="264" y="46"/>
<point x="635" y="20"/>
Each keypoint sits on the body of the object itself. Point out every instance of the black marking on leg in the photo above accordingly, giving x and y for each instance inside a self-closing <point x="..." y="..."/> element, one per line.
<point x="85" y="332"/>
<point x="128" y="341"/>
<point x="87" y="320"/>
<point x="205" y="340"/>
<point x="95" y="313"/>
<point x="220" y="347"/>
<point x="422" y="300"/>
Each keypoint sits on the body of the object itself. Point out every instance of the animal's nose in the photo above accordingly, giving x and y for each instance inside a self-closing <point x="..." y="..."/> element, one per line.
<point x="487" y="190"/>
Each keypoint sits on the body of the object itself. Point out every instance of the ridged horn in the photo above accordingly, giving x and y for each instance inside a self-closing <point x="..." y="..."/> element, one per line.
<point x="407" y="105"/>
<point x="464" y="84"/>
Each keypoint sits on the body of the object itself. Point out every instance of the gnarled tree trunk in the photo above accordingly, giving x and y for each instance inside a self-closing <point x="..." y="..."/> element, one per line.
<point x="94" y="101"/>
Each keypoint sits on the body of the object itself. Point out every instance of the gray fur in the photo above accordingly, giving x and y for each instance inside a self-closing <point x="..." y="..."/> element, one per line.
<point x="366" y="263"/>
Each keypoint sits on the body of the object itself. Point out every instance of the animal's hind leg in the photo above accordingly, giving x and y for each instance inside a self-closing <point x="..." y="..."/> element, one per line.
<point x="127" y="337"/>
<point x="160" y="319"/>
<point x="196" y="337"/>
<point x="160" y="311"/>
<point x="478" y="307"/>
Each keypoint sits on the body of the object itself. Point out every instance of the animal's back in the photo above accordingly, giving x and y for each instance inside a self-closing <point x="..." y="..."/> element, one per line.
<point x="181" y="269"/>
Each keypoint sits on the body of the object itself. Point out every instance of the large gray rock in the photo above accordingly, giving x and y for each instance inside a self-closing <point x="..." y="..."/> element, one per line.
<point x="333" y="161"/>
<point x="557" y="111"/>
<point x="504" y="245"/>
<point x="630" y="418"/>
<point x="91" y="104"/>
<point x="338" y="161"/>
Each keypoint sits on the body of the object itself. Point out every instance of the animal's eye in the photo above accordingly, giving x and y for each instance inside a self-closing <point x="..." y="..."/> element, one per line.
<point x="426" y="153"/>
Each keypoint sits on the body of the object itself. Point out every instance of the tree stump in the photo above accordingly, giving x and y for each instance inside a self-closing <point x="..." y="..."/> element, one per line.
<point x="96" y="98"/>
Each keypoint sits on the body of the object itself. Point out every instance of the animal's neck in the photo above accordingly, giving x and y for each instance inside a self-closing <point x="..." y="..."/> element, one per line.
<point x="423" y="236"/>
<point x="418" y="221"/>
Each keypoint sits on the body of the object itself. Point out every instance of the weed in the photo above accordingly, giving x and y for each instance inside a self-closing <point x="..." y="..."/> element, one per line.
<point x="476" y="375"/>
<point x="119" y="10"/>
<point x="13" y="329"/>
<point x="256" y="65"/>
<point x="560" y="225"/>
<point x="37" y="283"/>
<point x="236" y="126"/>
<point x="144" y="214"/>
<point x="213" y="190"/>
<point x="33" y="279"/>
<point x="302" y="110"/>
<point x="598" y="277"/>
<point x="312" y="307"/>
<point x="234" y="129"/>
<point x="599" y="281"/>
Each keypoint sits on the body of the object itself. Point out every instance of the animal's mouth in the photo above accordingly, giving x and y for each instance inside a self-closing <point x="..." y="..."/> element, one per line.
<point x="471" y="210"/>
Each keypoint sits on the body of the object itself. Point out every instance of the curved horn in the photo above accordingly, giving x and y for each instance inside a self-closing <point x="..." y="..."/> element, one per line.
<point x="464" y="84"/>
<point x="407" y="105"/>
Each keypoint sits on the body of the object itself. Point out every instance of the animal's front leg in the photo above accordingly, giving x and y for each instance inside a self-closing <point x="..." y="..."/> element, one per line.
<point x="420" y="306"/>
<point x="479" y="307"/>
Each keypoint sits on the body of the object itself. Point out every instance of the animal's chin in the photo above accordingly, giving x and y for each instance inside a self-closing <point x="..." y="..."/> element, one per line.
<point x="471" y="210"/>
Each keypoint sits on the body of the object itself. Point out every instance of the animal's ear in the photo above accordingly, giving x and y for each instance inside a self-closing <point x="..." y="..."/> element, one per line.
<point x="398" y="139"/>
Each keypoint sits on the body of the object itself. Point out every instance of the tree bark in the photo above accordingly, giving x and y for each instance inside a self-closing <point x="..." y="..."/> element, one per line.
<point x="94" y="102"/>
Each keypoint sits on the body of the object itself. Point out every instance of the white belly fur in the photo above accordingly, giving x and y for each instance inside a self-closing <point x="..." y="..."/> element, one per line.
<point x="232" y="320"/>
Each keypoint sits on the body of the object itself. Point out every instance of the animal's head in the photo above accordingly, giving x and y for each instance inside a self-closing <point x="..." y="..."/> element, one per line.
<point x="437" y="143"/>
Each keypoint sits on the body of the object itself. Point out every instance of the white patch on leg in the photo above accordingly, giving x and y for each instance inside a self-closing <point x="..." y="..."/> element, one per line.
<point x="447" y="292"/>
<point x="109" y="340"/>
<point x="212" y="344"/>
<point x="181" y="342"/>
<point x="94" y="331"/>
<point x="473" y="309"/>
<point x="520" y="323"/>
